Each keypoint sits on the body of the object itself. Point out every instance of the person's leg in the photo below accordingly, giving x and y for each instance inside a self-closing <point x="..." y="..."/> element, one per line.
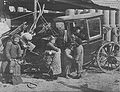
<point x="79" y="69"/>
<point x="16" y="76"/>
<point x="12" y="66"/>
<point x="80" y="62"/>
<point x="50" y="72"/>
<point x="0" y="67"/>
<point x="4" y="66"/>
<point x="6" y="72"/>
<point x="67" y="70"/>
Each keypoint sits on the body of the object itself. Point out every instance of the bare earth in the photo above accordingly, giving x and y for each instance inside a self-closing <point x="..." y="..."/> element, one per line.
<point x="90" y="82"/>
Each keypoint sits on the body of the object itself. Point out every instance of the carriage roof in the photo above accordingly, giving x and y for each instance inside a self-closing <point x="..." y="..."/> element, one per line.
<point x="80" y="16"/>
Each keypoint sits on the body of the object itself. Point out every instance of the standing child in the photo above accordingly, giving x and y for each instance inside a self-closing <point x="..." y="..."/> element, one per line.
<point x="68" y="59"/>
<point x="11" y="68"/>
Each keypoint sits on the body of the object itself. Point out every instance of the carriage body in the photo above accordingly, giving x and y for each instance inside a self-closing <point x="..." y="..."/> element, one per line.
<point x="92" y="35"/>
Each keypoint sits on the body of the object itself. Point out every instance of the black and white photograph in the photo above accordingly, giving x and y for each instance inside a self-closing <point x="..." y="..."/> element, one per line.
<point x="59" y="45"/>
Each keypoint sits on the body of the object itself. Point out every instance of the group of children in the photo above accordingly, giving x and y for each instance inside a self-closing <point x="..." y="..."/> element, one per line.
<point x="12" y="55"/>
<point x="11" y="58"/>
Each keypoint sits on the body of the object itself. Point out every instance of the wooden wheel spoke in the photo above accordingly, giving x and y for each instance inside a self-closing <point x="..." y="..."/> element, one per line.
<point x="103" y="54"/>
<point x="107" y="57"/>
<point x="112" y="48"/>
<point x="115" y="65"/>
<point x="118" y="62"/>
<point x="105" y="62"/>
<point x="111" y="65"/>
<point x="105" y="51"/>
<point x="108" y="66"/>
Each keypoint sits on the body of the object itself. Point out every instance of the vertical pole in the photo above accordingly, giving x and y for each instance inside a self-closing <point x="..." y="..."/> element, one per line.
<point x="92" y="10"/>
<point x="106" y="23"/>
<point x="118" y="24"/>
<point x="70" y="12"/>
<point x="1" y="12"/>
<point x="113" y="25"/>
<point x="118" y="18"/>
<point x="35" y="10"/>
<point x="112" y="18"/>
<point x="100" y="11"/>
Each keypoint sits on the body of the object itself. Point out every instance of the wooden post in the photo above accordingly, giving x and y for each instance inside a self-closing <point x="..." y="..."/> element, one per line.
<point x="113" y="25"/>
<point x="35" y="10"/>
<point x="92" y="11"/>
<point x="70" y="12"/>
<point x="118" y="24"/>
<point x="106" y="23"/>
<point x="100" y="11"/>
<point x="118" y="18"/>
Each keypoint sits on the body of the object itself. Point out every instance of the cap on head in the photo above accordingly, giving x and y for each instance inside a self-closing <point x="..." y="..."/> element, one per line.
<point x="16" y="36"/>
<point x="27" y="36"/>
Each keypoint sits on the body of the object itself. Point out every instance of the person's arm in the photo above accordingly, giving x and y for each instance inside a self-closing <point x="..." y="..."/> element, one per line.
<point x="31" y="46"/>
<point x="53" y="47"/>
<point x="67" y="52"/>
<point x="23" y="44"/>
<point x="19" y="51"/>
<point x="79" y="51"/>
<point x="7" y="50"/>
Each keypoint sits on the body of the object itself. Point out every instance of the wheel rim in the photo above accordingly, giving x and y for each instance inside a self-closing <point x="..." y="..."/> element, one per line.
<point x="108" y="57"/>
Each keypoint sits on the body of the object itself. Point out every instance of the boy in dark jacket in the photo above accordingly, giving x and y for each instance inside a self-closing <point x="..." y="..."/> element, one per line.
<point x="12" y="53"/>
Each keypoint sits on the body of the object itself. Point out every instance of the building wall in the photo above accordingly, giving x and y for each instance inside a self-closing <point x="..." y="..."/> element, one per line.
<point x="111" y="3"/>
<point x="111" y="18"/>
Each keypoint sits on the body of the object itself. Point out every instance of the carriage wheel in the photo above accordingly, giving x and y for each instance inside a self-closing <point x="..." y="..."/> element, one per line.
<point x="108" y="57"/>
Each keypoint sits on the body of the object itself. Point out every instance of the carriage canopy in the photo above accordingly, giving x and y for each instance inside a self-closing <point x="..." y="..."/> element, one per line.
<point x="56" y="4"/>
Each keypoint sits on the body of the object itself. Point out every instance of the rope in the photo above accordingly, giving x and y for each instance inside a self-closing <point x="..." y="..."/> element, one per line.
<point x="44" y="21"/>
<point x="40" y="14"/>
<point x="23" y="16"/>
<point x="47" y="24"/>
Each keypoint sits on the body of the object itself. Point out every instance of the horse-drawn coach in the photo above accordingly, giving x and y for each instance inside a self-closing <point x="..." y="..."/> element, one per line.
<point x="106" y="54"/>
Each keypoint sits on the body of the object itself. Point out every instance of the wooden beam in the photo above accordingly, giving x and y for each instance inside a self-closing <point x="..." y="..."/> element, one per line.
<point x="35" y="10"/>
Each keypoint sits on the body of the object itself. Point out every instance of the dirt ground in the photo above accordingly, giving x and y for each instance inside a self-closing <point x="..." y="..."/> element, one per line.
<point x="90" y="82"/>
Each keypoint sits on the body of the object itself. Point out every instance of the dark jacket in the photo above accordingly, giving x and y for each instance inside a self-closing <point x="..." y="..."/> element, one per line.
<point x="12" y="51"/>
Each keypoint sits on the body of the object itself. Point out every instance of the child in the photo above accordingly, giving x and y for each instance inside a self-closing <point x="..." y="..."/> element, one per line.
<point x="11" y="68"/>
<point x="68" y="59"/>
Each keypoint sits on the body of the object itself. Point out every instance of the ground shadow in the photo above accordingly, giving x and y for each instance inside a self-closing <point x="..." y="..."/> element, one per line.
<point x="83" y="88"/>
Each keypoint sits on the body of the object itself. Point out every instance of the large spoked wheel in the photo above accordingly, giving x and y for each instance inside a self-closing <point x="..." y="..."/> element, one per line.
<point x="108" y="57"/>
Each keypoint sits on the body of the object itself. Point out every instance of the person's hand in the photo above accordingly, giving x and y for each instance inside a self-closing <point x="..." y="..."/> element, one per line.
<point x="52" y="52"/>
<point x="59" y="50"/>
<point x="20" y="61"/>
<point x="11" y="71"/>
<point x="25" y="46"/>
<point x="11" y="60"/>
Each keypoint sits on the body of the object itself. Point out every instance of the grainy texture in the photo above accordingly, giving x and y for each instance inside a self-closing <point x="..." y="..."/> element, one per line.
<point x="90" y="82"/>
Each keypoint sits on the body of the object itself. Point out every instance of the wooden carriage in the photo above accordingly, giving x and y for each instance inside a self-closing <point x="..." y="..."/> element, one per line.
<point x="95" y="48"/>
